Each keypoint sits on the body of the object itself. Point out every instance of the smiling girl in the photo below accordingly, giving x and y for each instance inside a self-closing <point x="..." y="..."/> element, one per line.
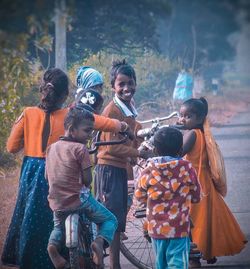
<point x="110" y="173"/>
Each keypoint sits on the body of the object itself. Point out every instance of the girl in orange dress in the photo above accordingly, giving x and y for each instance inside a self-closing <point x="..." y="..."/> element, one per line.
<point x="216" y="231"/>
<point x="36" y="129"/>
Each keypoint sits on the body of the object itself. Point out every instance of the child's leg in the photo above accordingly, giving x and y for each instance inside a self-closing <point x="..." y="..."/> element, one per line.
<point x="130" y="202"/>
<point x="194" y="262"/>
<point x="160" y="248"/>
<point x="107" y="225"/>
<point x="115" y="252"/>
<point x="101" y="216"/>
<point x="56" y="240"/>
<point x="177" y="253"/>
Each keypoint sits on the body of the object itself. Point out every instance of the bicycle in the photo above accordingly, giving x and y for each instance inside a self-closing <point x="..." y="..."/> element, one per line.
<point x="79" y="231"/>
<point x="138" y="248"/>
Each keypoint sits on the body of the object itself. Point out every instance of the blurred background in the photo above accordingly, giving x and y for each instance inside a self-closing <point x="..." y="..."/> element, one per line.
<point x="208" y="38"/>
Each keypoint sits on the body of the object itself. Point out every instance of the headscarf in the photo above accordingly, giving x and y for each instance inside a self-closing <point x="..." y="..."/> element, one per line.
<point x="88" y="77"/>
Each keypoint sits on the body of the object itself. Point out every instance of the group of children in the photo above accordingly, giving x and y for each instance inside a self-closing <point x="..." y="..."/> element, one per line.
<point x="168" y="185"/>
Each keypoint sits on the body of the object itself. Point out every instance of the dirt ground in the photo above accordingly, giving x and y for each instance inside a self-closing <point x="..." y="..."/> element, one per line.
<point x="221" y="108"/>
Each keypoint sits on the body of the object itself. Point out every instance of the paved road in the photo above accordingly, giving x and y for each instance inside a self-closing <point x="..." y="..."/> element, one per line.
<point x="234" y="139"/>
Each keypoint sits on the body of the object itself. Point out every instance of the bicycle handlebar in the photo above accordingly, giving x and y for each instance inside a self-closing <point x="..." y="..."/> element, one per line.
<point x="150" y="131"/>
<point x="99" y="143"/>
<point x="174" y="114"/>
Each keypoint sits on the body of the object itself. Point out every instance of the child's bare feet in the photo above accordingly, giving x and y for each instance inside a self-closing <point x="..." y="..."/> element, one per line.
<point x="212" y="261"/>
<point x="123" y="236"/>
<point x="58" y="261"/>
<point x="194" y="263"/>
<point x="97" y="248"/>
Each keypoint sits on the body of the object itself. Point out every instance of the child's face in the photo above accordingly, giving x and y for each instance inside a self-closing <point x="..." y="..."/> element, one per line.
<point x="189" y="119"/>
<point x="82" y="132"/>
<point x="124" y="87"/>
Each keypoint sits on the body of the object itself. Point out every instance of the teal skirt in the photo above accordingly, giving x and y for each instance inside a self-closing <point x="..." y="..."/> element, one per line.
<point x="32" y="220"/>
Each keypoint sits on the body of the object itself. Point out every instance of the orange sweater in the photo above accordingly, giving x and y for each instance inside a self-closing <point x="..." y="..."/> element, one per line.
<point x="27" y="131"/>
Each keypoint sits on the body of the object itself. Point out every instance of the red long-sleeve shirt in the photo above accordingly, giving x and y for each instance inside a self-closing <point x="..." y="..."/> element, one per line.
<point x="168" y="189"/>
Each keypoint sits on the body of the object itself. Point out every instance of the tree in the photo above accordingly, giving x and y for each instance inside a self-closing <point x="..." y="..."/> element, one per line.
<point x="92" y="25"/>
<point x="60" y="34"/>
<point x="114" y="25"/>
<point x="18" y="76"/>
<point x="203" y="25"/>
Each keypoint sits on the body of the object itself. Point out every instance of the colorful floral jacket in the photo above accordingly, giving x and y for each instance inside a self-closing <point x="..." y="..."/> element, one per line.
<point x="167" y="187"/>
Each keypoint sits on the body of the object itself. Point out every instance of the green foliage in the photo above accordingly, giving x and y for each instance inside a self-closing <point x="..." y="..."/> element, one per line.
<point x="114" y="24"/>
<point x="155" y="75"/>
<point x="17" y="78"/>
<point x="197" y="31"/>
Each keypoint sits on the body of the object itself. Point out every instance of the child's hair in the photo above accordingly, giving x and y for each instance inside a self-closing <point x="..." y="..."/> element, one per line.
<point x="168" y="141"/>
<point x="58" y="79"/>
<point x="54" y="87"/>
<point x="121" y="67"/>
<point x="197" y="106"/>
<point x="77" y="116"/>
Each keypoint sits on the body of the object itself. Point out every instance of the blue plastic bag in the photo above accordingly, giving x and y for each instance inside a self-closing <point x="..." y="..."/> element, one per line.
<point x="183" y="87"/>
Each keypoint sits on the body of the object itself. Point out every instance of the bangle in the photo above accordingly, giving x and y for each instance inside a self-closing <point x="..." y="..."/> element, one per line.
<point x="124" y="126"/>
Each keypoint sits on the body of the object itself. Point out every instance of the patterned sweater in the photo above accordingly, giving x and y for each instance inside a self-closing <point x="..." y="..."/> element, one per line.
<point x="167" y="187"/>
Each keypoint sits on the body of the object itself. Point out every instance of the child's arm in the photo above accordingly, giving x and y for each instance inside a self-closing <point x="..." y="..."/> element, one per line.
<point x="106" y="124"/>
<point x="189" y="139"/>
<point x="15" y="141"/>
<point x="195" y="188"/>
<point x="86" y="177"/>
<point x="120" y="150"/>
<point x="141" y="189"/>
<point x="82" y="155"/>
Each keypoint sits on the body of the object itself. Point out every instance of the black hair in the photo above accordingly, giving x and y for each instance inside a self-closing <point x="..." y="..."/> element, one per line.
<point x="198" y="106"/>
<point x="76" y="116"/>
<point x="54" y="88"/>
<point x="91" y="98"/>
<point x="168" y="141"/>
<point x="58" y="79"/>
<point x="121" y="67"/>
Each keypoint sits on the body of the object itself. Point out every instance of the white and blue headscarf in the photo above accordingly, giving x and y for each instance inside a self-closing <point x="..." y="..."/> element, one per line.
<point x="88" y="77"/>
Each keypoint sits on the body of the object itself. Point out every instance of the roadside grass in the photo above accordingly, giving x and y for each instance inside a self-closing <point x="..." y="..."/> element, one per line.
<point x="8" y="193"/>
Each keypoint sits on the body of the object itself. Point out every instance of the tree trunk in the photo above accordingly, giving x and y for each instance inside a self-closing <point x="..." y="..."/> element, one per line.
<point x="194" y="47"/>
<point x="60" y="34"/>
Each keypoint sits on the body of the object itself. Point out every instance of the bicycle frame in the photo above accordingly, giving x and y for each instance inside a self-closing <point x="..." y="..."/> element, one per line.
<point x="71" y="230"/>
<point x="148" y="133"/>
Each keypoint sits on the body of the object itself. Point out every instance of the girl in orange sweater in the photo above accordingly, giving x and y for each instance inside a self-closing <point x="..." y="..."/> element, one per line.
<point x="36" y="129"/>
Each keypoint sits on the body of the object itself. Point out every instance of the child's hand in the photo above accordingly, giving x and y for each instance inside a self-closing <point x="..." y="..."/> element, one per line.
<point x="145" y="154"/>
<point x="126" y="129"/>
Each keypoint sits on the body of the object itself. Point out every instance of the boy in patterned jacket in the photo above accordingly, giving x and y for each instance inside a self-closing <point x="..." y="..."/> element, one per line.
<point x="168" y="186"/>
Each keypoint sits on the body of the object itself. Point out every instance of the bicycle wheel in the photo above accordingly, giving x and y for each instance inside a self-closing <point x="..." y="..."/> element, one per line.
<point x="74" y="258"/>
<point x="81" y="256"/>
<point x="85" y="240"/>
<point x="137" y="249"/>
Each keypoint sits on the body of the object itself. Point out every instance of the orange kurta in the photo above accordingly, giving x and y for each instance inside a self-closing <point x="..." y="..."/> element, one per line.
<point x="216" y="231"/>
<point x="27" y="130"/>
